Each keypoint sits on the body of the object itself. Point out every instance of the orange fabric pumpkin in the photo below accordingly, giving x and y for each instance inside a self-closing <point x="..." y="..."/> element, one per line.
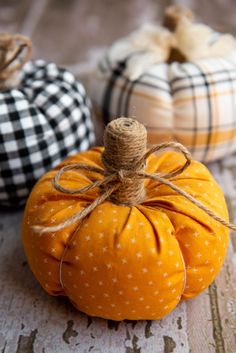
<point x="127" y="262"/>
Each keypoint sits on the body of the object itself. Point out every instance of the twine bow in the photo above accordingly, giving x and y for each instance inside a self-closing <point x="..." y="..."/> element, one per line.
<point x="113" y="179"/>
<point x="15" y="51"/>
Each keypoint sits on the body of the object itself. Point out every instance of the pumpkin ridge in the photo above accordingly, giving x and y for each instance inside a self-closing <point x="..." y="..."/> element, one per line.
<point x="66" y="248"/>
<point x="206" y="226"/>
<point x="151" y="224"/>
<point x="172" y="300"/>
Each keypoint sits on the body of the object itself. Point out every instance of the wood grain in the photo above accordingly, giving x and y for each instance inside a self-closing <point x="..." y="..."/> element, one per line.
<point x="13" y="14"/>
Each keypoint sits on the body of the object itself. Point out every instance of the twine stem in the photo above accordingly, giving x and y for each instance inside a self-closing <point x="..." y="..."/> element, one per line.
<point x="15" y="51"/>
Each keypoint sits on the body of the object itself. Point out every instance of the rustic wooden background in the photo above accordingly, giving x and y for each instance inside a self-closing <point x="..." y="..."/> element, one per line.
<point x="74" y="33"/>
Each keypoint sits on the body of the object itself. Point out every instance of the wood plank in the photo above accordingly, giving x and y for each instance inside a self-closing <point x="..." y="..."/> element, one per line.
<point x="33" y="16"/>
<point x="86" y="27"/>
<point x="220" y="16"/>
<point x="12" y="15"/>
<point x="222" y="293"/>
<point x="199" y="324"/>
<point x="225" y="296"/>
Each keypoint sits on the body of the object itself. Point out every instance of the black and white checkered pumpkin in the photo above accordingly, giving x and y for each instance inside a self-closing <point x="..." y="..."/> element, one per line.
<point x="44" y="119"/>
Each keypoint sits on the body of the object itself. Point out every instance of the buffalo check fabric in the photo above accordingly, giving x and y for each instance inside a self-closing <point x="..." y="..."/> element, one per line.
<point x="192" y="102"/>
<point x="44" y="119"/>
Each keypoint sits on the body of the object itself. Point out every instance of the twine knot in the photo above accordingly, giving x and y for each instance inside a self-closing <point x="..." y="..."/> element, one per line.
<point x="15" y="51"/>
<point x="124" y="159"/>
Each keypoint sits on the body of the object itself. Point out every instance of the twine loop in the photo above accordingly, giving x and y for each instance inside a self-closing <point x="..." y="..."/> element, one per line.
<point x="124" y="159"/>
<point x="113" y="181"/>
<point x="15" y="51"/>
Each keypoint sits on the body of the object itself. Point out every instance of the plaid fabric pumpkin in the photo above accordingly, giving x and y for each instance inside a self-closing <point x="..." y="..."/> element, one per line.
<point x="44" y="119"/>
<point x="193" y="101"/>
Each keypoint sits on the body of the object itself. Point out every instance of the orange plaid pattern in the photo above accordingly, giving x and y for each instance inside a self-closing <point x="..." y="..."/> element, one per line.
<point x="193" y="102"/>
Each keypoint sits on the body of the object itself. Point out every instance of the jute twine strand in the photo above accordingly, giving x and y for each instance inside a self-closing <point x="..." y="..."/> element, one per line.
<point x="125" y="142"/>
<point x="123" y="170"/>
<point x="15" y="51"/>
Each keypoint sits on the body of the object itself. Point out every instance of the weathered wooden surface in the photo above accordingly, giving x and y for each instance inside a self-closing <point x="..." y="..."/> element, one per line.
<point x="73" y="33"/>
